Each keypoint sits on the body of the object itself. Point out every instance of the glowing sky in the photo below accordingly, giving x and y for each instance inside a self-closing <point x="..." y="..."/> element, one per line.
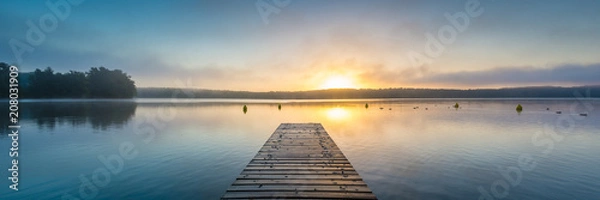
<point x="308" y="44"/>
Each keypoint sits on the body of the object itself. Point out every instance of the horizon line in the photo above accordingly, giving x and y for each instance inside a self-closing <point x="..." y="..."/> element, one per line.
<point x="365" y="88"/>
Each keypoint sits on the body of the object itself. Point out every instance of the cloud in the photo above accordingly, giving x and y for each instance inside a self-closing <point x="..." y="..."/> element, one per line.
<point x="378" y="75"/>
<point x="571" y="74"/>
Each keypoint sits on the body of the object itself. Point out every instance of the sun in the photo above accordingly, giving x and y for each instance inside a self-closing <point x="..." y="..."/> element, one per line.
<point x="338" y="82"/>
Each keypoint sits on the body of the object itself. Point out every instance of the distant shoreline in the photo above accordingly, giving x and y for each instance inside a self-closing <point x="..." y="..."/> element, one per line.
<point x="521" y="92"/>
<point x="352" y="94"/>
<point x="138" y="101"/>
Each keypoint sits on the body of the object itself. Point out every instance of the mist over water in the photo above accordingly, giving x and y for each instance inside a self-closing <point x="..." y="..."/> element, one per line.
<point x="403" y="148"/>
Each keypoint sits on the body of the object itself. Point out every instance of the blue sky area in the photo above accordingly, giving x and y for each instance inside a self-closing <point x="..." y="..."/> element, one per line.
<point x="304" y="44"/>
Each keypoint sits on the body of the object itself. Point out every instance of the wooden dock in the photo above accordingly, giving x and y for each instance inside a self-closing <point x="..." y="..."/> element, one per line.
<point x="299" y="161"/>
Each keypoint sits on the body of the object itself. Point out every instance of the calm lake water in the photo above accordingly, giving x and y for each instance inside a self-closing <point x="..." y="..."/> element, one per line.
<point x="409" y="149"/>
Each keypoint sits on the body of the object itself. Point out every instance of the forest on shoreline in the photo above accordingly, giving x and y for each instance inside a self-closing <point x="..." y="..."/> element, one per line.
<point x="98" y="82"/>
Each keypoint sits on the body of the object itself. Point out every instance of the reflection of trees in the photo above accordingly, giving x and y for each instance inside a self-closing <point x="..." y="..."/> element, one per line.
<point x="4" y="119"/>
<point x="105" y="115"/>
<point x="100" y="115"/>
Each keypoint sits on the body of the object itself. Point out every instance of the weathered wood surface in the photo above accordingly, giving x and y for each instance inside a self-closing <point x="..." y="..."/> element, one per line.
<point x="299" y="161"/>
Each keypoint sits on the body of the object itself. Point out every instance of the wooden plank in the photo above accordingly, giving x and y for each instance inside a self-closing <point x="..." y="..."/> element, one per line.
<point x="300" y="177"/>
<point x="298" y="165"/>
<point x="312" y="160"/>
<point x="299" y="195"/>
<point x="295" y="172"/>
<point x="301" y="188"/>
<point x="308" y="155"/>
<point x="289" y="153"/>
<point x="311" y="140"/>
<point x="297" y="148"/>
<point x="300" y="182"/>
<point x="299" y="161"/>
<point x="297" y="168"/>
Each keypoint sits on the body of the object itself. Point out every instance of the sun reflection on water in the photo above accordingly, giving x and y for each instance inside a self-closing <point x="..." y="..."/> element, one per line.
<point x="337" y="113"/>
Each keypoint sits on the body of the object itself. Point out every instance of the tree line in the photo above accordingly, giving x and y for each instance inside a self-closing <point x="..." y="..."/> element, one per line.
<point x="98" y="82"/>
<point x="521" y="92"/>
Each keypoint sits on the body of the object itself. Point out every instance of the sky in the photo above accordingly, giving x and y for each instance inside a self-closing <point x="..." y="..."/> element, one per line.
<point x="288" y="45"/>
